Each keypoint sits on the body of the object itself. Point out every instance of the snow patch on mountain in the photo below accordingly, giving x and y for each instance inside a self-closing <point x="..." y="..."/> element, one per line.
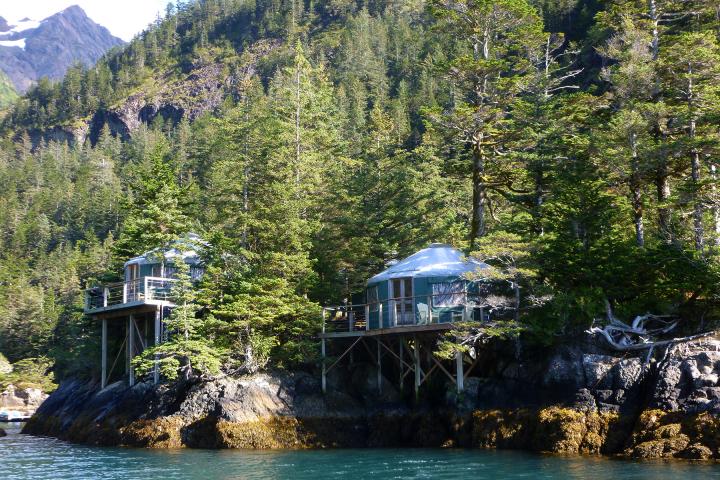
<point x="13" y="43"/>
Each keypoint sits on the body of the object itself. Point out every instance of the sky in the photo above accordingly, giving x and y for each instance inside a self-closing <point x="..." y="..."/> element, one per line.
<point x="124" y="18"/>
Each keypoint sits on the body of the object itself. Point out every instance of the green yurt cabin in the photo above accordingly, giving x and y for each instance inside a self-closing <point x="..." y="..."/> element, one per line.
<point x="160" y="263"/>
<point x="427" y="287"/>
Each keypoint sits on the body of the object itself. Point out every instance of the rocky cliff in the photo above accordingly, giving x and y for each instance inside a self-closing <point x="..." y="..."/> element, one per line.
<point x="24" y="400"/>
<point x="170" y="97"/>
<point x="578" y="400"/>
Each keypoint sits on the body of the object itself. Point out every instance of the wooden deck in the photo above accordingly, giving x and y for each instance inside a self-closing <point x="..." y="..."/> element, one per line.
<point x="125" y="309"/>
<point x="398" y="330"/>
<point x="134" y="296"/>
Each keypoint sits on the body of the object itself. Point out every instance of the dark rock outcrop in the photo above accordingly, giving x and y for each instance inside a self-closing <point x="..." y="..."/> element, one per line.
<point x="202" y="89"/>
<point x="579" y="400"/>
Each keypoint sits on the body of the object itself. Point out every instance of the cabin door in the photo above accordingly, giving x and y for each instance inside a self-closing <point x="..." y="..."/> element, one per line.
<point x="402" y="292"/>
<point x="131" y="275"/>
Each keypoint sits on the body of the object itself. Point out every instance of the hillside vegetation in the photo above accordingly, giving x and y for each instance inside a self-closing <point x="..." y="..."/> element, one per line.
<point x="572" y="145"/>
<point x="8" y="95"/>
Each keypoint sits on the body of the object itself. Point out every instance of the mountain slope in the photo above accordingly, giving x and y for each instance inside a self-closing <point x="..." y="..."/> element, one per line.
<point x="8" y="94"/>
<point x="32" y="50"/>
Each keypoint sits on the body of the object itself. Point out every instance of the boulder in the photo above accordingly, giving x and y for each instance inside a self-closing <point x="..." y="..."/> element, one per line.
<point x="597" y="370"/>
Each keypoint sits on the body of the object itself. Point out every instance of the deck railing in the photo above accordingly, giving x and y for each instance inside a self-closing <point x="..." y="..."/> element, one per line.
<point x="398" y="312"/>
<point x="120" y="293"/>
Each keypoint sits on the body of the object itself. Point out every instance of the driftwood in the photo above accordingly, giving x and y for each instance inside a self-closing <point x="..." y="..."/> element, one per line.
<point x="640" y="335"/>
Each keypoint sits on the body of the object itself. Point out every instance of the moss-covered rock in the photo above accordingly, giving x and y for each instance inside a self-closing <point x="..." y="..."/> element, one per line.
<point x="552" y="429"/>
<point x="156" y="433"/>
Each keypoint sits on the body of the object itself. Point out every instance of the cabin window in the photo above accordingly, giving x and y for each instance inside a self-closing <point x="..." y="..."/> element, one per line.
<point x="156" y="270"/>
<point x="449" y="294"/>
<point x="372" y="298"/>
<point x="196" y="273"/>
<point x="132" y="272"/>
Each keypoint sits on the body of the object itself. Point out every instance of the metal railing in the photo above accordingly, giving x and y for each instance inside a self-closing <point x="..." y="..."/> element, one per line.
<point x="398" y="312"/>
<point x="139" y="289"/>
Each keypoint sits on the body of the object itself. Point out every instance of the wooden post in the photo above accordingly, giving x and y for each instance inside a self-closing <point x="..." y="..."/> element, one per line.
<point x="392" y="313"/>
<point x="402" y="365"/>
<point x="429" y="300"/>
<point x="367" y="317"/>
<point x="459" y="374"/>
<point x="131" y="350"/>
<point x="158" y="332"/>
<point x="324" y="371"/>
<point x="103" y="375"/>
<point x="125" y="288"/>
<point x="380" y="315"/>
<point x="322" y="355"/>
<point x="106" y="294"/>
<point x="417" y="365"/>
<point x="379" y="367"/>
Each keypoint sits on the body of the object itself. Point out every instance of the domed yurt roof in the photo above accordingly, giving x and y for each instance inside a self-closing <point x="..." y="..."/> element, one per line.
<point x="186" y="247"/>
<point x="437" y="260"/>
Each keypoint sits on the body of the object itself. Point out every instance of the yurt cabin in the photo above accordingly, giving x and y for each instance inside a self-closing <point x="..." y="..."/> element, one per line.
<point x="132" y="312"/>
<point x="160" y="264"/>
<point x="430" y="286"/>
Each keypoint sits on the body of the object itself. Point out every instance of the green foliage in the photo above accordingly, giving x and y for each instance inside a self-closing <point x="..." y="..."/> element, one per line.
<point x="465" y="336"/>
<point x="30" y="373"/>
<point x="558" y="141"/>
<point x="7" y="91"/>
<point x="189" y="348"/>
<point x="156" y="217"/>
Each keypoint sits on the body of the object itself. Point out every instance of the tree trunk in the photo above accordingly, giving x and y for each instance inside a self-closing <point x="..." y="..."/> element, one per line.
<point x="297" y="124"/>
<point x="662" y="183"/>
<point x="698" y="208"/>
<point x="477" y="226"/>
<point x="715" y="206"/>
<point x="539" y="200"/>
<point x="636" y="193"/>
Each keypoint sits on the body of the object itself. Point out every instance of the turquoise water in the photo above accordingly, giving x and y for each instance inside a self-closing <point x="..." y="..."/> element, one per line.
<point x="25" y="457"/>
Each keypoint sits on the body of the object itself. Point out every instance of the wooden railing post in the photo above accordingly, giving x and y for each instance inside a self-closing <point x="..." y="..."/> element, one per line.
<point x="106" y="294"/>
<point x="323" y="320"/>
<point x="367" y="317"/>
<point x="146" y="290"/>
<point x="380" y="315"/>
<point x="429" y="300"/>
<point x="125" y="289"/>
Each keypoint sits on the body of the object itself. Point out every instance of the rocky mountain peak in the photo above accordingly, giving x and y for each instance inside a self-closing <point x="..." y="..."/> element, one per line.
<point x="30" y="50"/>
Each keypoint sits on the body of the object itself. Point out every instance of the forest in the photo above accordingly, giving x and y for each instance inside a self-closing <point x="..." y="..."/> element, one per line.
<point x="572" y="144"/>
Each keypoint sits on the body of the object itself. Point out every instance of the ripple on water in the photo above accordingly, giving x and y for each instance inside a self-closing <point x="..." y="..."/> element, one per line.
<point x="39" y="458"/>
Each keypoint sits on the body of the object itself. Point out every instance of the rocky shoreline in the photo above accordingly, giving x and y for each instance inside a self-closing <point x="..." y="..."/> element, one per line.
<point x="20" y="403"/>
<point x="580" y="400"/>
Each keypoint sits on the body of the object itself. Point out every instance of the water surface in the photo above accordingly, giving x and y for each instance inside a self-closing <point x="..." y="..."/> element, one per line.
<point x="26" y="457"/>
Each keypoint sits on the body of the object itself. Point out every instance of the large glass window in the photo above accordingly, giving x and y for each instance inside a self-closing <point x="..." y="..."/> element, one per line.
<point x="449" y="294"/>
<point x="372" y="298"/>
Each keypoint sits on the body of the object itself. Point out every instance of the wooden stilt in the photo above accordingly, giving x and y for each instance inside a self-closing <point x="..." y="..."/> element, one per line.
<point x="324" y="368"/>
<point x="379" y="367"/>
<point x="103" y="375"/>
<point x="131" y="349"/>
<point x="459" y="375"/>
<point x="158" y="326"/>
<point x="416" y="352"/>
<point x="401" y="364"/>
